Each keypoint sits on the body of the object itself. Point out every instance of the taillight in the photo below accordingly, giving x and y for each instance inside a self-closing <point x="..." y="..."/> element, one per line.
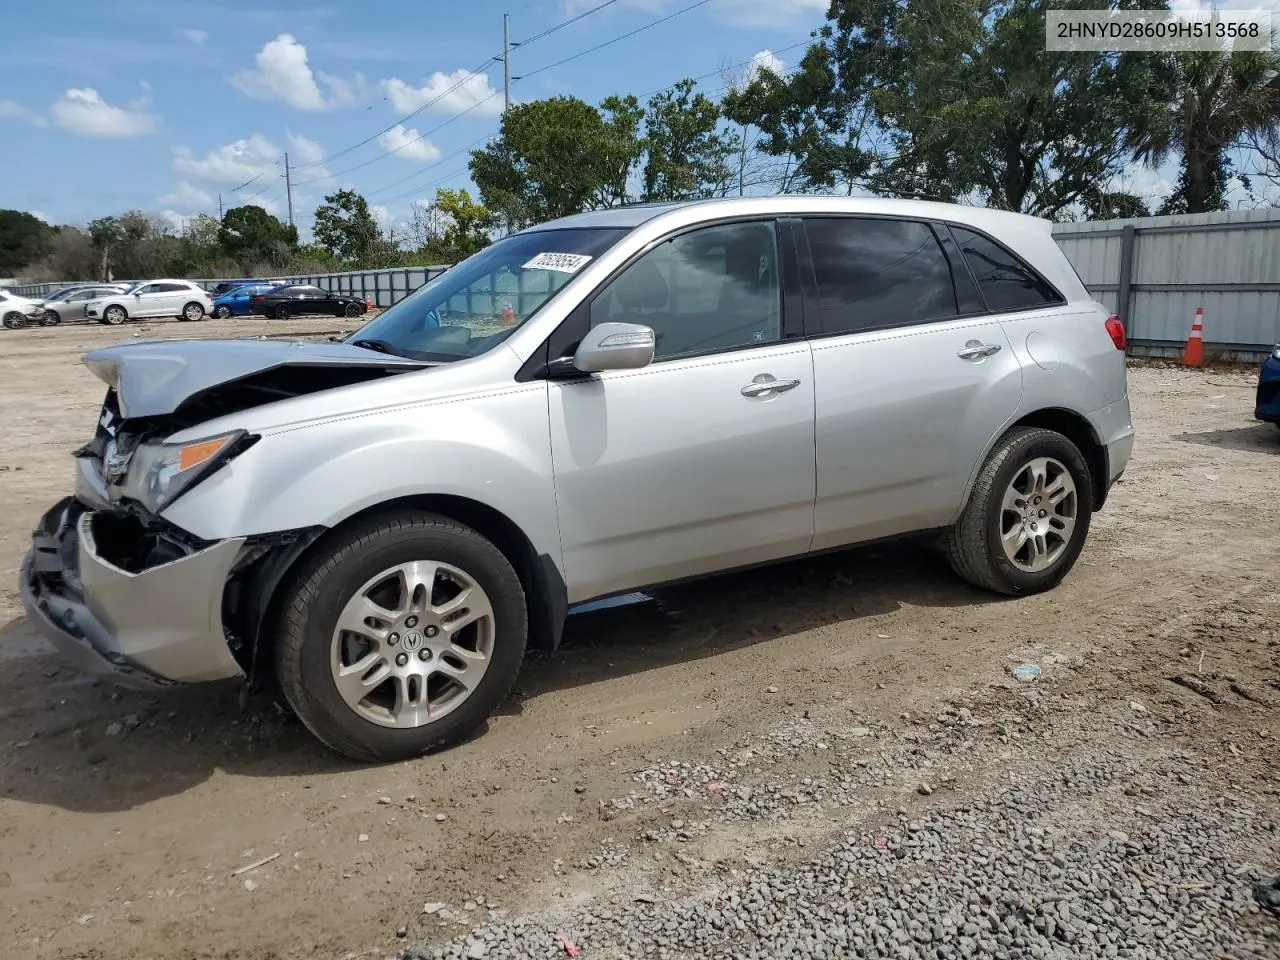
<point x="1116" y="329"/>
<point x="259" y="298"/>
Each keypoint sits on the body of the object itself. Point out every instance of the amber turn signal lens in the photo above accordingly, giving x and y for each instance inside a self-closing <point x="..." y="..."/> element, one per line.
<point x="194" y="454"/>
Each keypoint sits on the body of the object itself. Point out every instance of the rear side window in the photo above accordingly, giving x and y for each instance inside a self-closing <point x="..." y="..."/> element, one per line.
<point x="873" y="274"/>
<point x="1005" y="281"/>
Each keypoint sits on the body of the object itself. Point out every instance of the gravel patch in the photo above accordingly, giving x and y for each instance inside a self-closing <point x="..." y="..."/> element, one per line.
<point x="1089" y="861"/>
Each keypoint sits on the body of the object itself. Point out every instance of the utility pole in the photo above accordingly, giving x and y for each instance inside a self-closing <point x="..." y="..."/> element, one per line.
<point x="288" y="187"/>
<point x="219" y="207"/>
<point x="506" y="62"/>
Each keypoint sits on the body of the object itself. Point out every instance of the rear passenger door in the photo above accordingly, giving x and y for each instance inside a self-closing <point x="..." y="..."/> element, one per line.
<point x="913" y="376"/>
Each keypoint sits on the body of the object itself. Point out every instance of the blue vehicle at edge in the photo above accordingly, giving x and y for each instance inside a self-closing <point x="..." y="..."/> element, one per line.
<point x="1268" y="401"/>
<point x="236" y="301"/>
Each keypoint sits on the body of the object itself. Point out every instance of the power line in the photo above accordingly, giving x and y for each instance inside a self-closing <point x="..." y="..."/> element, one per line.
<point x="617" y="39"/>
<point x="560" y="26"/>
<point x="429" y="167"/>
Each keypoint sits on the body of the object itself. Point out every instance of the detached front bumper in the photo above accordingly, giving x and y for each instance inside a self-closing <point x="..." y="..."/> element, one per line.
<point x="145" y="628"/>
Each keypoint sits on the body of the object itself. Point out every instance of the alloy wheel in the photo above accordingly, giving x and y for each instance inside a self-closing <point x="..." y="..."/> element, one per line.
<point x="1038" y="514"/>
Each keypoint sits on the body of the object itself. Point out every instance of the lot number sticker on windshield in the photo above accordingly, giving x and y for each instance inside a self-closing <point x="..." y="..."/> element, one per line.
<point x="560" y="262"/>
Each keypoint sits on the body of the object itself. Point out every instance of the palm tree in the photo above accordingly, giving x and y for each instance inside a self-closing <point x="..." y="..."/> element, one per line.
<point x="1209" y="102"/>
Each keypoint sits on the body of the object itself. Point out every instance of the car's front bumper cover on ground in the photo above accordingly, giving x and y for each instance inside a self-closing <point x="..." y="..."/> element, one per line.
<point x="155" y="627"/>
<point x="1267" y="404"/>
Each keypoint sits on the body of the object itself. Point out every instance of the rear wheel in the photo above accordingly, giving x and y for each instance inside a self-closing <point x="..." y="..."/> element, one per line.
<point x="401" y="636"/>
<point x="193" y="311"/>
<point x="114" y="315"/>
<point x="281" y="312"/>
<point x="51" y="318"/>
<point x="1027" y="517"/>
<point x="14" y="320"/>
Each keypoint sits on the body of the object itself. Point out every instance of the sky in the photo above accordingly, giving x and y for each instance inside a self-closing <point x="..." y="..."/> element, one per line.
<point x="167" y="105"/>
<point x="162" y="105"/>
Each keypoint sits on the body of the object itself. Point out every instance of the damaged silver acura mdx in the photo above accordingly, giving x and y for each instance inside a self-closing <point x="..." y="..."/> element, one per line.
<point x="615" y="400"/>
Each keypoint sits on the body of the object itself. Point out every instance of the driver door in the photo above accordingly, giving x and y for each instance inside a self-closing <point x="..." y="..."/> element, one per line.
<point x="695" y="463"/>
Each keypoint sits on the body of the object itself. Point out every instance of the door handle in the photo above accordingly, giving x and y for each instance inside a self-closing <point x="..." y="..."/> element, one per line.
<point x="977" y="350"/>
<point x="765" y="383"/>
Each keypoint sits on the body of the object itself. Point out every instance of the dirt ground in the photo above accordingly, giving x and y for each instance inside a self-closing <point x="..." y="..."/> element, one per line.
<point x="124" y="844"/>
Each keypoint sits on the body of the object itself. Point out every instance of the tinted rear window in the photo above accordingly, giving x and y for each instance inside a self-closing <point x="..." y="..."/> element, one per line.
<point x="1005" y="281"/>
<point x="873" y="273"/>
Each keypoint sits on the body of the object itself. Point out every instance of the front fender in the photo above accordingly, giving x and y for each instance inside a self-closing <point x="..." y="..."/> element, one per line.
<point x="492" y="449"/>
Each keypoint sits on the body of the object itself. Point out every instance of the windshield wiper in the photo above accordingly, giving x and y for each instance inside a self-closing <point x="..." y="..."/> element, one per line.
<point x="380" y="346"/>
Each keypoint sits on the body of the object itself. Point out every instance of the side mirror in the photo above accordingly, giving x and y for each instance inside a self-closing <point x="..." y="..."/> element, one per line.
<point x="615" y="346"/>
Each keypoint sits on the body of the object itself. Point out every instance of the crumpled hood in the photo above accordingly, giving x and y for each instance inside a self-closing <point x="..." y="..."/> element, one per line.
<point x="154" y="377"/>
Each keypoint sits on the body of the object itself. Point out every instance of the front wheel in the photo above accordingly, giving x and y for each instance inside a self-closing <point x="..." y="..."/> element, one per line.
<point x="401" y="636"/>
<point x="351" y="310"/>
<point x="1027" y="517"/>
<point x="222" y="311"/>
<point x="14" y="320"/>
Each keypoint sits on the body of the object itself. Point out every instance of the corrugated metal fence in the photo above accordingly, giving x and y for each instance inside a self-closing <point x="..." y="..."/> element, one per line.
<point x="1155" y="271"/>
<point x="1152" y="271"/>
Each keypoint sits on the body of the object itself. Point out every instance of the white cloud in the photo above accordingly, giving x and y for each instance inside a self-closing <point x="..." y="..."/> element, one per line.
<point x="12" y="110"/>
<point x="187" y="197"/>
<point x="83" y="112"/>
<point x="472" y="89"/>
<point x="408" y="143"/>
<point x="766" y="61"/>
<point x="381" y="213"/>
<point x="40" y="215"/>
<point x="232" y="163"/>
<point x="282" y="74"/>
<point x="198" y="37"/>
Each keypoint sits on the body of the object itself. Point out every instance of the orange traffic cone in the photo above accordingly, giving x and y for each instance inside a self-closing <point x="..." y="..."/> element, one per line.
<point x="1193" y="352"/>
<point x="508" y="315"/>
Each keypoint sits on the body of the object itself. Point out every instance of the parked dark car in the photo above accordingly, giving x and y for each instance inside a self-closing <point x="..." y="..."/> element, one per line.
<point x="284" y="302"/>
<point x="1267" y="406"/>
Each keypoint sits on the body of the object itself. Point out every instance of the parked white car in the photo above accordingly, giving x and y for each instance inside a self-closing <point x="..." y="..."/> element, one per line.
<point x="152" y="298"/>
<point x="18" y="311"/>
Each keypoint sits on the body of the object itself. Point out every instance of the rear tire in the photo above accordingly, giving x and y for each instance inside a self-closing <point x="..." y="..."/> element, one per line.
<point x="371" y="723"/>
<point x="193" y="312"/>
<point x="114" y="315"/>
<point x="1027" y="517"/>
<point x="51" y="318"/>
<point x="281" y="312"/>
<point x="13" y="320"/>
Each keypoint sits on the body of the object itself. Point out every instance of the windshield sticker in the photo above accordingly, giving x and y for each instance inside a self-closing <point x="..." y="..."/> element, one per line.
<point x="560" y="262"/>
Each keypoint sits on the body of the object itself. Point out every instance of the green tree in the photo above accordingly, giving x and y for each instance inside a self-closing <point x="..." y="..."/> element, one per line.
<point x="1212" y="102"/>
<point x="104" y="234"/>
<point x="24" y="239"/>
<point x="451" y="228"/>
<point x="687" y="154"/>
<point x="251" y="236"/>
<point x="951" y="99"/>
<point x="346" y="228"/>
<point x="557" y="157"/>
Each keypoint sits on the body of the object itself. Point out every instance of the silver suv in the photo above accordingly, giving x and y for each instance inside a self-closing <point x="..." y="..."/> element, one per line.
<point x="606" y="402"/>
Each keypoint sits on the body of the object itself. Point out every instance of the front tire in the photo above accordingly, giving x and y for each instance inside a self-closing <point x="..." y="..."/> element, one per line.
<point x="1028" y="515"/>
<point x="401" y="636"/>
<point x="221" y="312"/>
<point x="114" y="315"/>
<point x="351" y="310"/>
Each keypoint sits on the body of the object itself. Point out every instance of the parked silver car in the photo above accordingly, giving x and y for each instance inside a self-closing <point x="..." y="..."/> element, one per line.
<point x="611" y="401"/>
<point x="70" y="302"/>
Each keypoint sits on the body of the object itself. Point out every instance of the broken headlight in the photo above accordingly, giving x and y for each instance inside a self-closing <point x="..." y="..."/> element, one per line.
<point x="162" y="472"/>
